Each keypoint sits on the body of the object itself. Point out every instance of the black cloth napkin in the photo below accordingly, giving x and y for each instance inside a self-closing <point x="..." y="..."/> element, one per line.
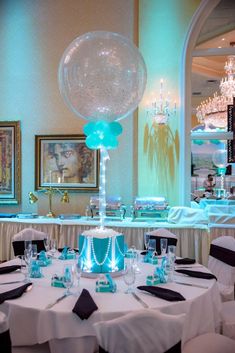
<point x="163" y="293"/>
<point x="185" y="261"/>
<point x="197" y="274"/>
<point x="144" y="252"/>
<point x="14" y="293"/>
<point x="85" y="305"/>
<point x="8" y="269"/>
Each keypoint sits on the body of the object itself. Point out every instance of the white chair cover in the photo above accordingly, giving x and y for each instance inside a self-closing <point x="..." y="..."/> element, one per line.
<point x="228" y="319"/>
<point x="142" y="331"/>
<point x="209" y="343"/>
<point x="225" y="273"/>
<point x="162" y="233"/>
<point x="4" y="325"/>
<point x="187" y="215"/>
<point x="29" y="234"/>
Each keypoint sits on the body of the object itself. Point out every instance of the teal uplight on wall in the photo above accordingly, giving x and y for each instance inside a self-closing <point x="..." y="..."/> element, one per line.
<point x="163" y="26"/>
<point x="19" y="58"/>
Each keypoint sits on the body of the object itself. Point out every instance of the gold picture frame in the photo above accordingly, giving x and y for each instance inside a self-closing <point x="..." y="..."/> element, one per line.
<point x="10" y="162"/>
<point x="65" y="162"/>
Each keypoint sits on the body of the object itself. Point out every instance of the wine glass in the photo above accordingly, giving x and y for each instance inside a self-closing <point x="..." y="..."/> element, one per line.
<point x="28" y="244"/>
<point x="53" y="247"/>
<point x="46" y="242"/>
<point x="152" y="246"/>
<point x="146" y="241"/>
<point x="163" y="246"/>
<point x="68" y="278"/>
<point x="34" y="251"/>
<point x="77" y="272"/>
<point x="27" y="257"/>
<point x="135" y="259"/>
<point x="129" y="278"/>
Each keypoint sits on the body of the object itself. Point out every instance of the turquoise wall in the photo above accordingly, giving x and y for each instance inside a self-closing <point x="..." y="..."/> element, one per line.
<point x="163" y="26"/>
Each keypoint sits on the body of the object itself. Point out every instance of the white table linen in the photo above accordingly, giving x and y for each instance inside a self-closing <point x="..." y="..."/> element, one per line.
<point x="31" y="323"/>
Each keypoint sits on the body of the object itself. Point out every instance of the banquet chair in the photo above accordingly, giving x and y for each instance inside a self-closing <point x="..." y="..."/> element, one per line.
<point x="209" y="343"/>
<point x="162" y="233"/>
<point x="228" y="319"/>
<point x="221" y="263"/>
<point x="141" y="331"/>
<point x="34" y="235"/>
<point x="5" y="340"/>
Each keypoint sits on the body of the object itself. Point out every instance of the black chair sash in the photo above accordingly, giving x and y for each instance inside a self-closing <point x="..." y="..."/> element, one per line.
<point x="170" y="241"/>
<point x="19" y="246"/>
<point x="175" y="349"/>
<point x="225" y="255"/>
<point x="5" y="342"/>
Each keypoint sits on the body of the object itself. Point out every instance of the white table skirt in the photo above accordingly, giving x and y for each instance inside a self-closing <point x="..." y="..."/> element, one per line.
<point x="31" y="323"/>
<point x="193" y="241"/>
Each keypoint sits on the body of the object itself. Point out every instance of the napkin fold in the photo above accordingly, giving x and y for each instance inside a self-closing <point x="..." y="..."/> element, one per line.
<point x="163" y="293"/>
<point x="197" y="274"/>
<point x="85" y="305"/>
<point x="8" y="269"/>
<point x="14" y="293"/>
<point x="185" y="261"/>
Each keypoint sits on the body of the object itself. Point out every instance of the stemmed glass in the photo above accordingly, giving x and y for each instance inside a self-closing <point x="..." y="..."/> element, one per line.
<point x="53" y="247"/>
<point x="129" y="278"/>
<point x="34" y="250"/>
<point x="46" y="242"/>
<point x="163" y="246"/>
<point x="77" y="271"/>
<point x="27" y="259"/>
<point x="68" y="278"/>
<point x="152" y="246"/>
<point x="135" y="259"/>
<point x="146" y="241"/>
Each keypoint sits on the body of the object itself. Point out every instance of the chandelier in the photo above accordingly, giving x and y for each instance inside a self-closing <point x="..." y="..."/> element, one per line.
<point x="213" y="112"/>
<point x="160" y="107"/>
<point x="227" y="84"/>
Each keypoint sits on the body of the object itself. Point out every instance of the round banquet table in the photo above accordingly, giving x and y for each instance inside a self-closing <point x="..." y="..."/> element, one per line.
<point x="31" y="323"/>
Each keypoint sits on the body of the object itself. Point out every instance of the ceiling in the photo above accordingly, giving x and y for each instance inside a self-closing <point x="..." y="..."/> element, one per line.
<point x="217" y="33"/>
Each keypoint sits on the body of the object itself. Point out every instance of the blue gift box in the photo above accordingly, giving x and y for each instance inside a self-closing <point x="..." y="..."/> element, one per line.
<point x="102" y="255"/>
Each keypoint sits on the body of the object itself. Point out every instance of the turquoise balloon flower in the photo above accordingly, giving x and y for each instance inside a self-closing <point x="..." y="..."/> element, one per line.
<point x="101" y="134"/>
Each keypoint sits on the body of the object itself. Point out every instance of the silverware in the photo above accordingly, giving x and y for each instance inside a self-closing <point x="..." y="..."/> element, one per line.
<point x="140" y="300"/>
<point x="181" y="267"/>
<point x="191" y="285"/>
<point x="13" y="282"/>
<point x="56" y="301"/>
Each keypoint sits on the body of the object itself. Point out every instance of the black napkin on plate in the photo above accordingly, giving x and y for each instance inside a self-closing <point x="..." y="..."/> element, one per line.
<point x="8" y="269"/>
<point x="144" y="252"/>
<point x="14" y="293"/>
<point x="197" y="274"/>
<point x="185" y="261"/>
<point x="163" y="293"/>
<point x="85" y="305"/>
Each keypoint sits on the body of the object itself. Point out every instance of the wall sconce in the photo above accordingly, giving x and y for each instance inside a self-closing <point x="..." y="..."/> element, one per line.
<point x="50" y="191"/>
<point x="159" y="108"/>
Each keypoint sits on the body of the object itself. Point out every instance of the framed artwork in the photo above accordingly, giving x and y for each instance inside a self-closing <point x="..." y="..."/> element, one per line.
<point x="65" y="162"/>
<point x="10" y="162"/>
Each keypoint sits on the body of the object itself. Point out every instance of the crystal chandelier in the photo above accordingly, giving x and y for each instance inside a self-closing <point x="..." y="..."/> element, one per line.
<point x="160" y="107"/>
<point x="227" y="84"/>
<point x="213" y="112"/>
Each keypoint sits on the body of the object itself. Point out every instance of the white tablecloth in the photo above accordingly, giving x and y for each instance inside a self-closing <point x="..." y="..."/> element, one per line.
<point x="31" y="323"/>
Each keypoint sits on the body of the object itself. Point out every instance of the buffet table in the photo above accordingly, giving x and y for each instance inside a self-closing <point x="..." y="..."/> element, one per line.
<point x="31" y="323"/>
<point x="193" y="240"/>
